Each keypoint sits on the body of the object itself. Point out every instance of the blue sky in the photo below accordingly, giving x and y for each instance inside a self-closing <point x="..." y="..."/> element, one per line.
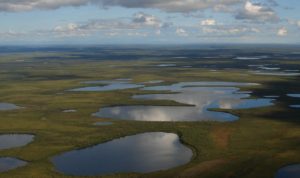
<point x="149" y="21"/>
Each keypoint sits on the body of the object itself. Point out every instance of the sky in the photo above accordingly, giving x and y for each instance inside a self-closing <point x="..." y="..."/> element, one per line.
<point x="149" y="21"/>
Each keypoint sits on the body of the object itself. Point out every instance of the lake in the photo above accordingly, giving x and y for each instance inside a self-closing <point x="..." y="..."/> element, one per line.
<point x="8" y="163"/>
<point x="201" y="97"/>
<point x="8" y="106"/>
<point x="291" y="171"/>
<point x="141" y="153"/>
<point x="8" y="141"/>
<point x="108" y="85"/>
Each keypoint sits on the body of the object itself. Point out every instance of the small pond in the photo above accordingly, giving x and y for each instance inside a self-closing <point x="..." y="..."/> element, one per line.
<point x="295" y="106"/>
<point x="153" y="82"/>
<point x="166" y="65"/>
<point x="242" y="104"/>
<point x="284" y="74"/>
<point x="8" y="141"/>
<point x="292" y="70"/>
<point x="8" y="163"/>
<point x="69" y="110"/>
<point x="272" y="96"/>
<point x="269" y="68"/>
<point x="142" y="153"/>
<point x="294" y="95"/>
<point x="250" y="57"/>
<point x="108" y="85"/>
<point x="8" y="106"/>
<point x="291" y="171"/>
<point x="102" y="123"/>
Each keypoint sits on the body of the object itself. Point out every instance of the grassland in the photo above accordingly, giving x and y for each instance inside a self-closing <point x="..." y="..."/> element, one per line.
<point x="257" y="145"/>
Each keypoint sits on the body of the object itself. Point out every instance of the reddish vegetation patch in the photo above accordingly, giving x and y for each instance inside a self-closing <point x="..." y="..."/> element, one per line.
<point x="221" y="136"/>
<point x="203" y="168"/>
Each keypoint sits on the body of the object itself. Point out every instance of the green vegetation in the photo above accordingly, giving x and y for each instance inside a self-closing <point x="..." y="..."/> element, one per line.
<point x="257" y="145"/>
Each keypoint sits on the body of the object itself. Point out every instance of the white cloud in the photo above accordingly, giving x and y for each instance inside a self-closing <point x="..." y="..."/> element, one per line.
<point x="141" y="34"/>
<point x="11" y="34"/>
<point x="253" y="8"/>
<point x="112" y="34"/>
<point x="294" y="22"/>
<point x="257" y="12"/>
<point x="140" y="24"/>
<point x="69" y="27"/>
<point x="256" y="30"/>
<point x="228" y="30"/>
<point x="223" y="8"/>
<point x="181" y="32"/>
<point x="282" y="31"/>
<point x="29" y="5"/>
<point x="158" y="32"/>
<point x="70" y="30"/>
<point x="208" y="22"/>
<point x="146" y="19"/>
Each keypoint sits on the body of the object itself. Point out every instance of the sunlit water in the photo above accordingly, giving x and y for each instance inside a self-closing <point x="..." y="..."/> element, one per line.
<point x="166" y="65"/>
<point x="250" y="57"/>
<point x="202" y="99"/>
<point x="162" y="113"/>
<point x="295" y="106"/>
<point x="142" y="153"/>
<point x="70" y="111"/>
<point x="294" y="95"/>
<point x="153" y="82"/>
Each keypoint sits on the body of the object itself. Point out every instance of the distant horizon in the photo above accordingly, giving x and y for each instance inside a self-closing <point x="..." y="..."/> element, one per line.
<point x="148" y="44"/>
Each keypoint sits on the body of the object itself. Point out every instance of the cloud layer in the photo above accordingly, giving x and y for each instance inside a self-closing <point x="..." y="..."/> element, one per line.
<point x="140" y="24"/>
<point x="169" y="19"/>
<point x="165" y="5"/>
<point x="257" y="12"/>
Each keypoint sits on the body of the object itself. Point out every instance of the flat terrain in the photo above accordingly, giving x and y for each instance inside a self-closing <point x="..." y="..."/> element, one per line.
<point x="257" y="145"/>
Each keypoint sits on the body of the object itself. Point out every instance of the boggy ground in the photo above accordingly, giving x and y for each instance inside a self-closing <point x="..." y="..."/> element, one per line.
<point x="257" y="145"/>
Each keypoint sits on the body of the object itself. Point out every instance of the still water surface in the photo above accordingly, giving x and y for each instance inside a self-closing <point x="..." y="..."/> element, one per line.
<point x="8" y="106"/>
<point x="8" y="141"/>
<point x="8" y="163"/>
<point x="142" y="153"/>
<point x="201" y="96"/>
<point x="291" y="171"/>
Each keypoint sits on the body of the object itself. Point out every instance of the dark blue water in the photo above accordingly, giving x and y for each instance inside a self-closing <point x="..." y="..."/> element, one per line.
<point x="291" y="171"/>
<point x="142" y="153"/>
